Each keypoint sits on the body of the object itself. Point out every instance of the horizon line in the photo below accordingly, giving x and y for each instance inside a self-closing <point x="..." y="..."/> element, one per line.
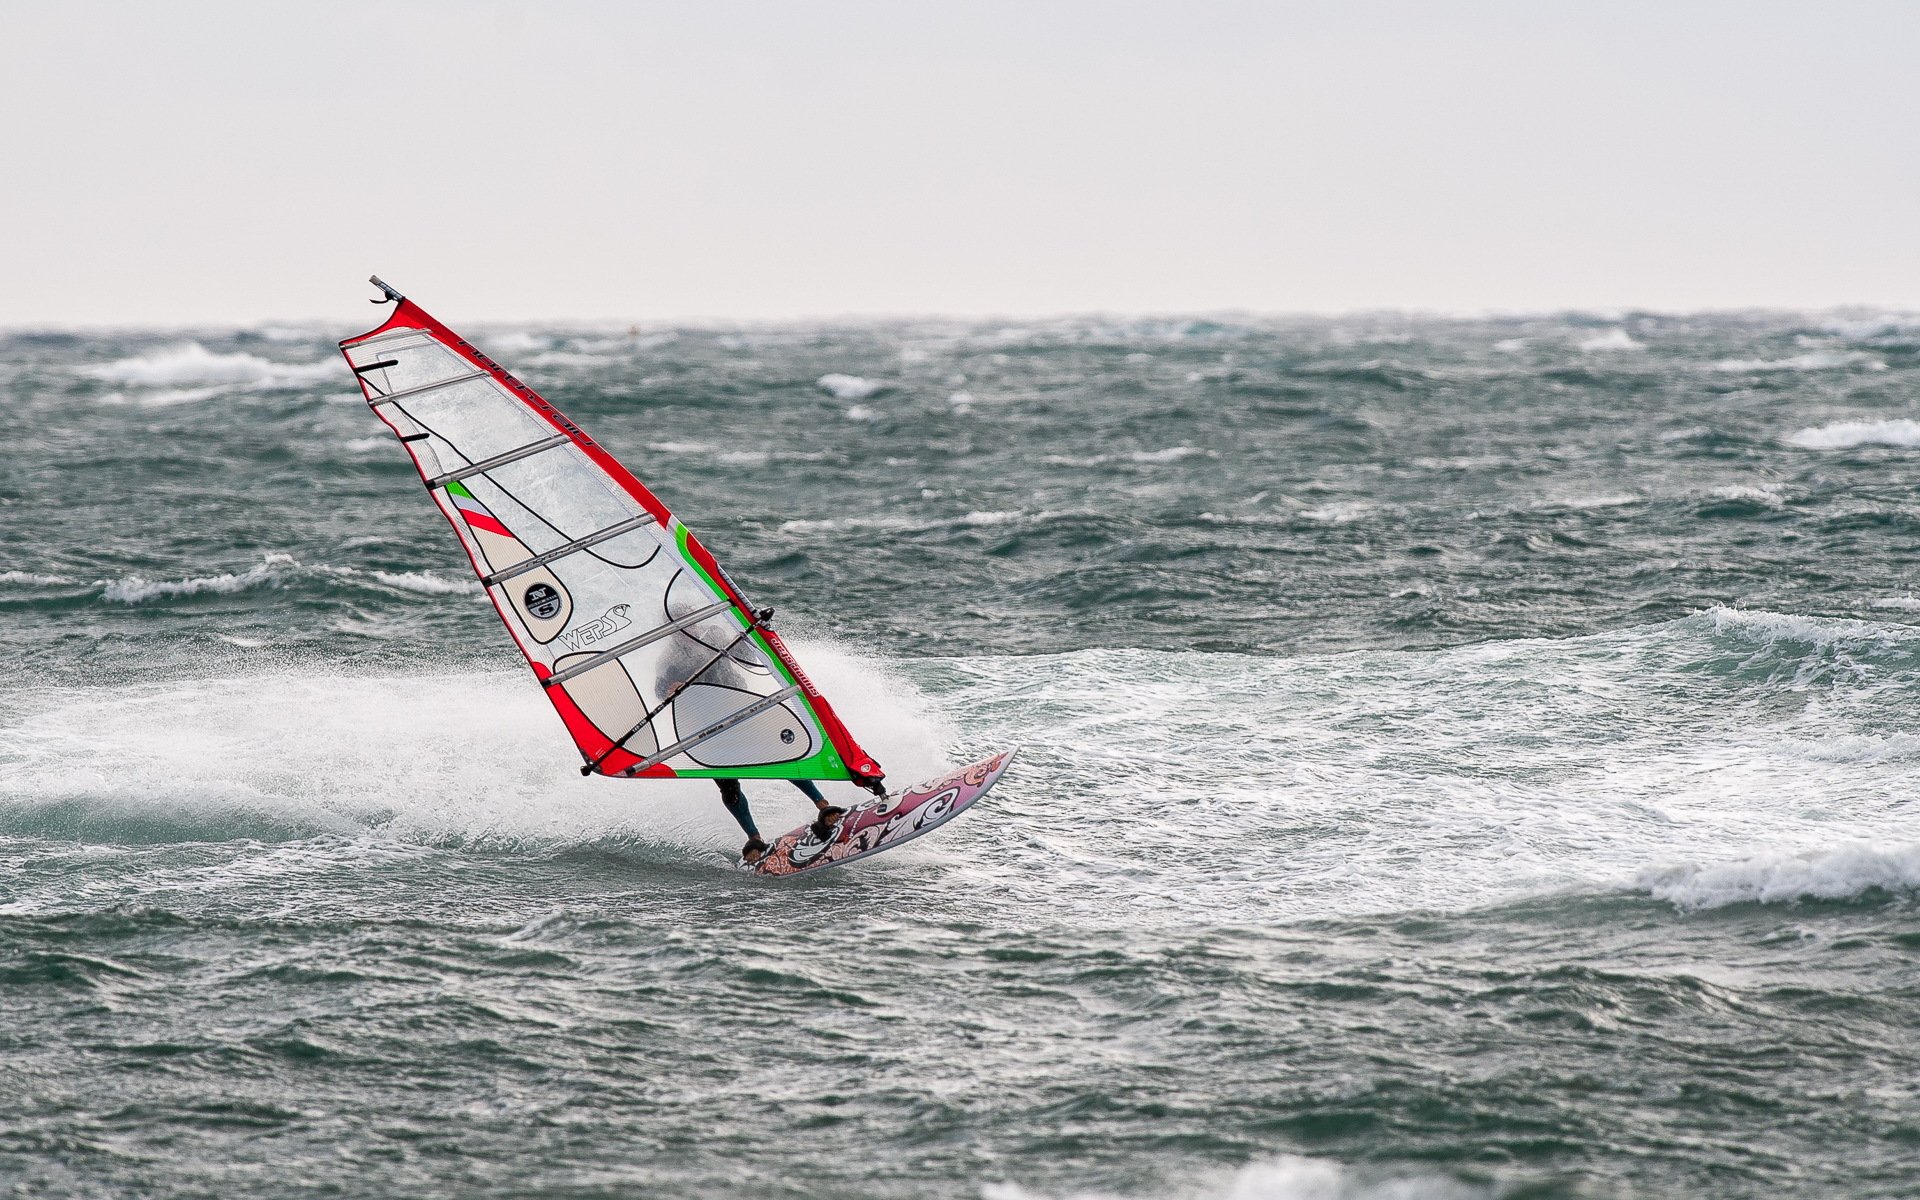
<point x="1599" y="313"/>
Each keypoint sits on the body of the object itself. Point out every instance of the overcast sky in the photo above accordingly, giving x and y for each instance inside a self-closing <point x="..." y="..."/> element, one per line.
<point x="188" y="162"/>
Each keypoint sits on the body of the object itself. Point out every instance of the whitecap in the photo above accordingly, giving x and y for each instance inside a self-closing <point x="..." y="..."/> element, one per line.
<point x="289" y="333"/>
<point x="1612" y="339"/>
<point x="1340" y="512"/>
<point x="35" y="579"/>
<point x="847" y="387"/>
<point x="1169" y="455"/>
<point x="680" y="447"/>
<point x="1844" y="435"/>
<point x="1819" y="360"/>
<point x="861" y="412"/>
<point x="1741" y="491"/>
<point x="135" y="588"/>
<point x="839" y="524"/>
<point x="1289" y="1177"/>
<point x="1841" y="873"/>
<point x="193" y="365"/>
<point x="427" y="584"/>
<point x="515" y="341"/>
<point x="1597" y="500"/>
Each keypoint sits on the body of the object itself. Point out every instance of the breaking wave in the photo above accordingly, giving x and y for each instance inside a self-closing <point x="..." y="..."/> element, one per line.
<point x="1844" y="435"/>
<point x="1289" y="1177"/>
<point x="1842" y="873"/>
<point x="848" y="387"/>
<point x="135" y="588"/>
<point x="1819" y="360"/>
<point x="275" y="570"/>
<point x="192" y="365"/>
<point x="1611" y="340"/>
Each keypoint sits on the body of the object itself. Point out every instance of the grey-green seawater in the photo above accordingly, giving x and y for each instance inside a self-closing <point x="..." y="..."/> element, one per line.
<point x="1459" y="759"/>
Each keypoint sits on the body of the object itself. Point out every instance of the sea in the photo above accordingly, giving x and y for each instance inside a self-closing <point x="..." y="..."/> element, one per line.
<point x="1458" y="758"/>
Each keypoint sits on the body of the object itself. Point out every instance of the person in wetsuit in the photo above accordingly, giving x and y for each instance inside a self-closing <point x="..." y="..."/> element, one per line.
<point x="682" y="665"/>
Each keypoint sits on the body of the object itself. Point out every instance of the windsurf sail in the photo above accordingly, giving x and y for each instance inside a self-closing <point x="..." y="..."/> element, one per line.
<point x="650" y="653"/>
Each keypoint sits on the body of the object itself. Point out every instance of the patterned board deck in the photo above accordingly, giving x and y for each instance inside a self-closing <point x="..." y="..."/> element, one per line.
<point x="883" y="822"/>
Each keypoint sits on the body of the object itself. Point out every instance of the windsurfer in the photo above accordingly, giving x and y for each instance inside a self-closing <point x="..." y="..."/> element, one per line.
<point x="735" y="798"/>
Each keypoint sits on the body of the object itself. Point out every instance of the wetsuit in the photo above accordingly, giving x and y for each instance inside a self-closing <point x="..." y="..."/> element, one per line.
<point x="735" y="798"/>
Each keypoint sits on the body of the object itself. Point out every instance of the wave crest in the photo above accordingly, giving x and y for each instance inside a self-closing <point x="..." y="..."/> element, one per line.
<point x="1845" y="435"/>
<point x="1289" y="1177"/>
<point x="192" y="365"/>
<point x="1845" y="873"/>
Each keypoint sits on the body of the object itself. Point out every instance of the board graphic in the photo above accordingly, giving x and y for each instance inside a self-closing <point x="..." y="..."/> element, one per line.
<point x="883" y="823"/>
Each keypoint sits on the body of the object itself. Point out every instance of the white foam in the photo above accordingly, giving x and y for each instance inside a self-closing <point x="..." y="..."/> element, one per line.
<point x="861" y="412"/>
<point x="427" y="583"/>
<point x="1844" y="435"/>
<point x="1764" y="494"/>
<point x="839" y="524"/>
<point x="1289" y="1177"/>
<point x="35" y="579"/>
<point x="1340" y="512"/>
<point x="680" y="447"/>
<point x="1768" y="627"/>
<point x="848" y="387"/>
<point x="464" y="758"/>
<point x="1818" y="360"/>
<point x="1610" y="341"/>
<point x="1231" y="788"/>
<point x="272" y="571"/>
<point x="1840" y="873"/>
<point x="515" y="341"/>
<point x="565" y="358"/>
<point x="1869" y="325"/>
<point x="1594" y="500"/>
<point x="1170" y="455"/>
<point x="135" y="588"/>
<point x="1905" y="603"/>
<point x="192" y="364"/>
<point x="290" y="333"/>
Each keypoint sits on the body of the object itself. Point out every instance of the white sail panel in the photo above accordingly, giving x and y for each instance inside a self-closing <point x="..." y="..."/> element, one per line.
<point x="648" y="653"/>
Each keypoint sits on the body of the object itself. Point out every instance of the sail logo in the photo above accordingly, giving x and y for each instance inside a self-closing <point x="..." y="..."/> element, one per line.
<point x="542" y="601"/>
<point x="599" y="629"/>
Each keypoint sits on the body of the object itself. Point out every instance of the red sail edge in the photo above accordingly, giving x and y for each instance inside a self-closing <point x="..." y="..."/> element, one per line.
<point x="592" y="742"/>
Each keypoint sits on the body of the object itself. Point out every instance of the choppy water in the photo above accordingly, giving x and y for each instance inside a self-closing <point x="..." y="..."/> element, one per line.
<point x="1460" y="759"/>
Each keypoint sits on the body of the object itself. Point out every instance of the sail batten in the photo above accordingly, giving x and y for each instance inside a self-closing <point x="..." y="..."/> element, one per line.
<point x="635" y="643"/>
<point x="424" y="388"/>
<point x="559" y="552"/>
<point x="648" y="651"/>
<point x="500" y="460"/>
<point x="716" y="729"/>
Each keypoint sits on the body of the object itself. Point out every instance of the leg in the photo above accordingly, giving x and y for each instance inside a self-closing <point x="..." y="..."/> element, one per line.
<point x="824" y="814"/>
<point x="735" y="798"/>
<point x="811" y="791"/>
